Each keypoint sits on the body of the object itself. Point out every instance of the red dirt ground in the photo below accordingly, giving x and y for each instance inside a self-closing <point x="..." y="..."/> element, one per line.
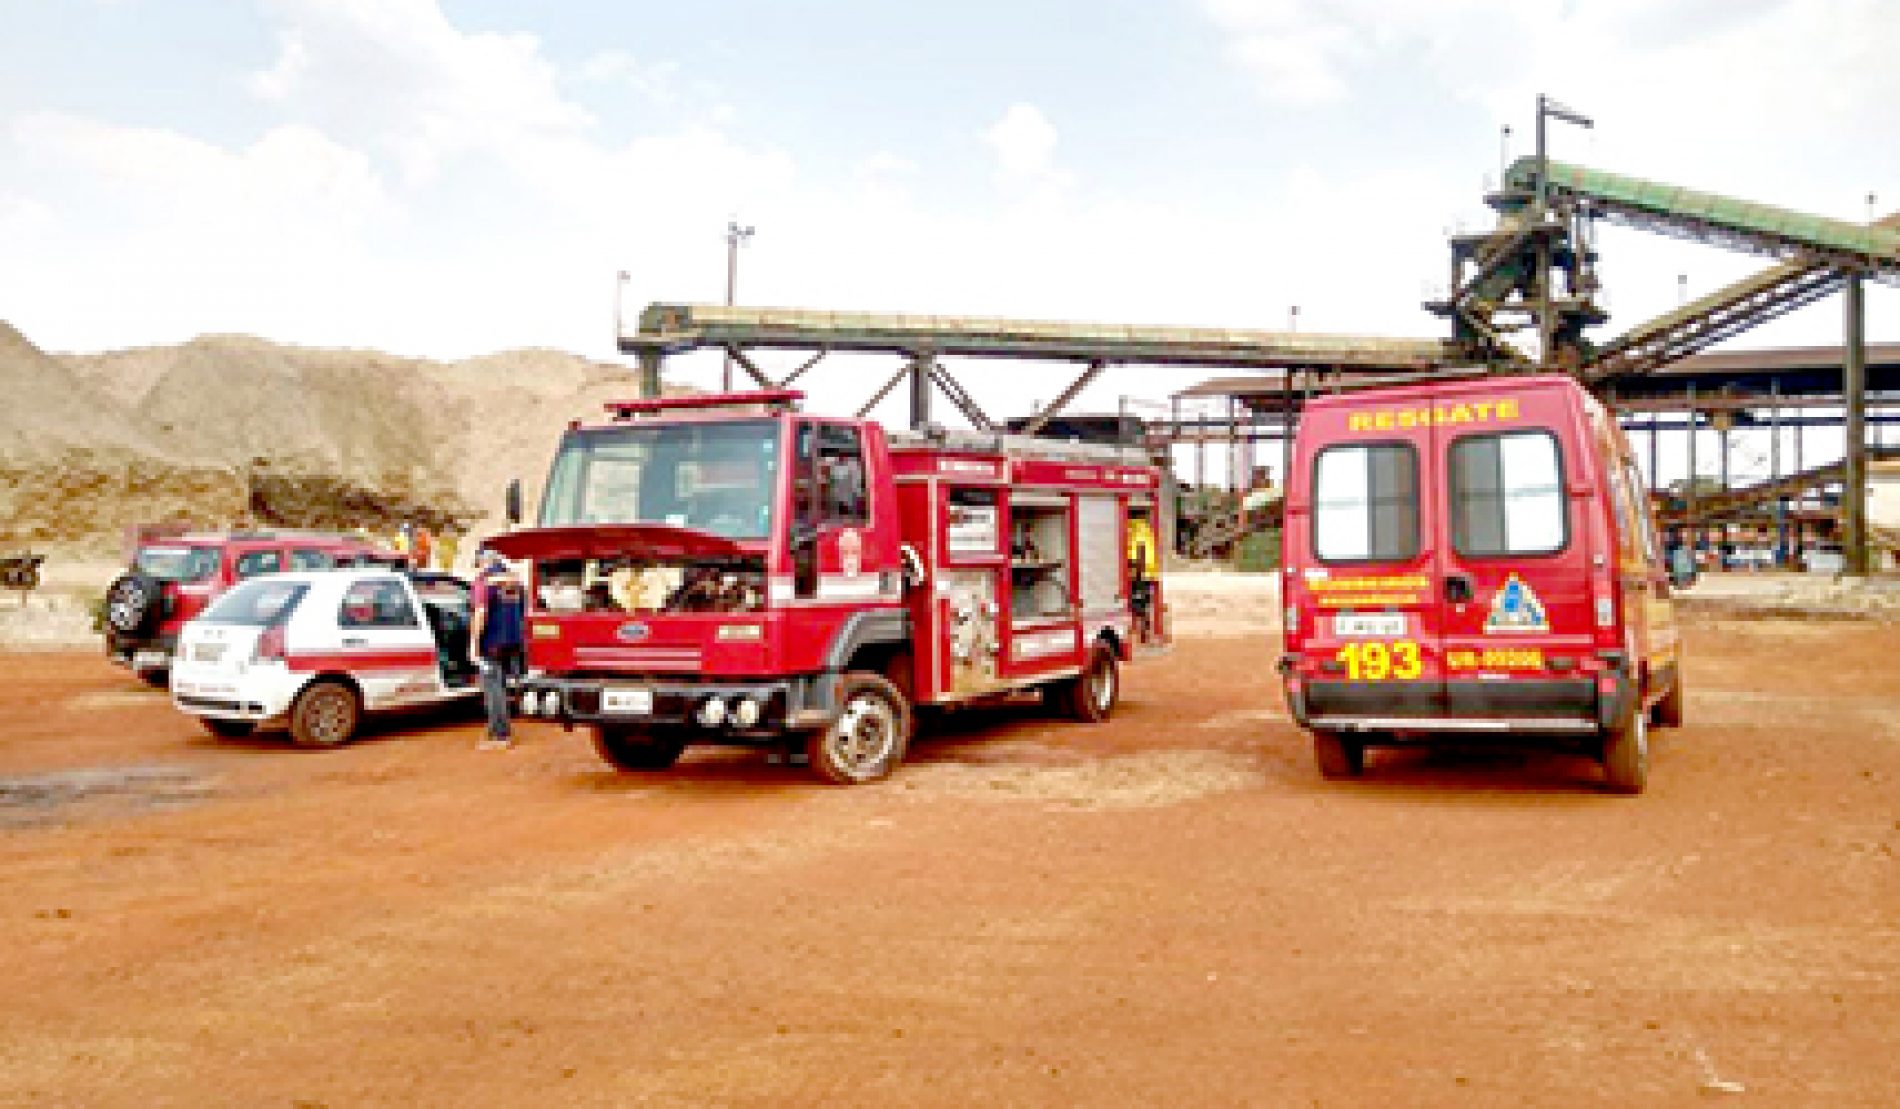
<point x="1170" y="908"/>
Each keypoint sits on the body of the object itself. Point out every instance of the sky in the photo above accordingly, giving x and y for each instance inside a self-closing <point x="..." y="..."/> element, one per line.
<point x="446" y="178"/>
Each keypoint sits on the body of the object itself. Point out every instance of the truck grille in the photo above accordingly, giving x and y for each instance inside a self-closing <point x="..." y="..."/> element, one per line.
<point x="659" y="659"/>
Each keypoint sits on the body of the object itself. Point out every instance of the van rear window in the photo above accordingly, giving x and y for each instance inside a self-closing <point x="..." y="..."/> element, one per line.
<point x="1365" y="503"/>
<point x="1507" y="495"/>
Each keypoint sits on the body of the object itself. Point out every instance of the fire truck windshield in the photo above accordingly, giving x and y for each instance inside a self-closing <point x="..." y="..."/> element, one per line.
<point x="714" y="477"/>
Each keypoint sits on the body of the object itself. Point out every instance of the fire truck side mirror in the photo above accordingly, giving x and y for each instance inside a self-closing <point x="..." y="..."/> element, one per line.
<point x="511" y="502"/>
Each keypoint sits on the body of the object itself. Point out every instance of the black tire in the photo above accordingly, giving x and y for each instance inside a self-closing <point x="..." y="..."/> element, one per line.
<point x="157" y="679"/>
<point x="1668" y="711"/>
<point x="325" y="714"/>
<point x="132" y="602"/>
<point x="1626" y="755"/>
<point x="227" y="729"/>
<point x="1337" y="756"/>
<point x="1093" y="695"/>
<point x="634" y="749"/>
<point x="870" y="736"/>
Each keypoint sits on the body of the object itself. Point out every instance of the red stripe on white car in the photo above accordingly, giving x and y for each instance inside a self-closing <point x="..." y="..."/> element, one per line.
<point x="360" y="660"/>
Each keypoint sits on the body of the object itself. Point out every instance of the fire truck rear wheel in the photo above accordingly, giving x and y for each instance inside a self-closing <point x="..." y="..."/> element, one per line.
<point x="1626" y="754"/>
<point x="1091" y="696"/>
<point x="157" y="679"/>
<point x="1337" y="756"/>
<point x="637" y="749"/>
<point x="868" y="739"/>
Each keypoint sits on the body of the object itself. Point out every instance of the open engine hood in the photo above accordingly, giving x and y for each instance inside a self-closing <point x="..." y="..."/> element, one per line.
<point x="661" y="542"/>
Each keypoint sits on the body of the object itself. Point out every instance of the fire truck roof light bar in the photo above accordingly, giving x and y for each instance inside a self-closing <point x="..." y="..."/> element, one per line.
<point x="770" y="398"/>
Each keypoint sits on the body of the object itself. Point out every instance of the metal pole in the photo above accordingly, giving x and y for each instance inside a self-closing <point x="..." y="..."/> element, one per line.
<point x="1655" y="454"/>
<point x="1233" y="444"/>
<point x="1543" y="161"/>
<point x="1774" y="473"/>
<point x="1692" y="508"/>
<point x="734" y="236"/>
<point x="920" y="390"/>
<point x="1854" y="396"/>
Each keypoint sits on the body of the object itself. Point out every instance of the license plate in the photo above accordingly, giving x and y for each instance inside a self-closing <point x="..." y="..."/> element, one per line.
<point x="150" y="660"/>
<point x="207" y="652"/>
<point x="627" y="702"/>
<point x="1369" y="625"/>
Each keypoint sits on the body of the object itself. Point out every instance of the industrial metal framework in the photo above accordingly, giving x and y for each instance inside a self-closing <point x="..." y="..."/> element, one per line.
<point x="1534" y="272"/>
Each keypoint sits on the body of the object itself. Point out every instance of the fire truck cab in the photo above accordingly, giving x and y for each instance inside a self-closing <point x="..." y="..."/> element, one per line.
<point x="1473" y="559"/>
<point x="727" y="569"/>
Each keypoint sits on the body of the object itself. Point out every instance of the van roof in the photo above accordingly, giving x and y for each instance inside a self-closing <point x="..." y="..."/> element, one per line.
<point x="1491" y="384"/>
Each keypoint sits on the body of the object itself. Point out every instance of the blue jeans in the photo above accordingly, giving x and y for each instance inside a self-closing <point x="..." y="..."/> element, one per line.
<point x="497" y="672"/>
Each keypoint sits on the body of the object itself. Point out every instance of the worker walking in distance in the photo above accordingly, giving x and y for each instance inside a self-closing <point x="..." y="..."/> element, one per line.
<point x="497" y="634"/>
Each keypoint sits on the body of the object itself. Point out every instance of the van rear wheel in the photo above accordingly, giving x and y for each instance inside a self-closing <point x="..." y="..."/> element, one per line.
<point x="1338" y="757"/>
<point x="1626" y="755"/>
<point x="637" y="749"/>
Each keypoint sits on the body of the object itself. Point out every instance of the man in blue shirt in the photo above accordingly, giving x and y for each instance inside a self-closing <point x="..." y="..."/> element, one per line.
<point x="497" y="635"/>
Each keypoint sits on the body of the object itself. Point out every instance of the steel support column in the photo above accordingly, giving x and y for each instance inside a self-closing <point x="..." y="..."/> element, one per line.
<point x="1854" y="399"/>
<point x="1692" y="508"/>
<point x="1774" y="474"/>
<point x="920" y="373"/>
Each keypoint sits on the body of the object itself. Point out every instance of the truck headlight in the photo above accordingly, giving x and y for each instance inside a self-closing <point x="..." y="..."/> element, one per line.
<point x="551" y="703"/>
<point x="712" y="712"/>
<point x="530" y="703"/>
<point x="746" y="712"/>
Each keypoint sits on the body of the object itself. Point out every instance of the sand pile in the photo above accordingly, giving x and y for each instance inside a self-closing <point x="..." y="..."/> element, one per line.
<point x="226" y="427"/>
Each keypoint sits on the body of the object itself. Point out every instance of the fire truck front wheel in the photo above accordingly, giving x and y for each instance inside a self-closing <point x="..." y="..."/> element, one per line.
<point x="869" y="736"/>
<point x="635" y="749"/>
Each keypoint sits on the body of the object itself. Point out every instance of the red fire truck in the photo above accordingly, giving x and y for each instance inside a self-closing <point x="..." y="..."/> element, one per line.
<point x="727" y="569"/>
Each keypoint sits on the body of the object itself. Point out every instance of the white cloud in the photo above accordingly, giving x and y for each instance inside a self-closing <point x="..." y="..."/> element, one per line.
<point x="398" y="76"/>
<point x="290" y="173"/>
<point x="659" y="82"/>
<point x="1024" y="144"/>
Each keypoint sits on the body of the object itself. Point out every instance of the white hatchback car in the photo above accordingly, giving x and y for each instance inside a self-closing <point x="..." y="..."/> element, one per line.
<point x="314" y="651"/>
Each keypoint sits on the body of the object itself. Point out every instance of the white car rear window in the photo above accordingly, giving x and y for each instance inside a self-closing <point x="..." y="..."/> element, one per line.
<point x="256" y="604"/>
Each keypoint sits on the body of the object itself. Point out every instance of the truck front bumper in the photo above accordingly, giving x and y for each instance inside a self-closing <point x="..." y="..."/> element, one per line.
<point x="747" y="710"/>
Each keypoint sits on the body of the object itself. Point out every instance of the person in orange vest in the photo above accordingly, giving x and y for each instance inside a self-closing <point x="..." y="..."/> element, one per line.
<point x="422" y="548"/>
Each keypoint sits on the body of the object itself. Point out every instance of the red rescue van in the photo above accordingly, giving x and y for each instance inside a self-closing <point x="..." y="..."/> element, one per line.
<point x="1470" y="559"/>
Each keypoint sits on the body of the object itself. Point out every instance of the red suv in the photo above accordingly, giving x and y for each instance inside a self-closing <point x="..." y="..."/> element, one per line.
<point x="174" y="578"/>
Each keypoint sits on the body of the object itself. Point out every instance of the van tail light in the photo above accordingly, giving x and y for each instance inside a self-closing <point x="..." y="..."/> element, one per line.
<point x="270" y="645"/>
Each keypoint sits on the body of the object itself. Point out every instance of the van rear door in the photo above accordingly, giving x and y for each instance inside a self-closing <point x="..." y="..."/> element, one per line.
<point x="1365" y="588"/>
<point x="1514" y="589"/>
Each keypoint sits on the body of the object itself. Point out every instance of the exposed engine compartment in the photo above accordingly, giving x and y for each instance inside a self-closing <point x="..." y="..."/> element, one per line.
<point x="638" y="584"/>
